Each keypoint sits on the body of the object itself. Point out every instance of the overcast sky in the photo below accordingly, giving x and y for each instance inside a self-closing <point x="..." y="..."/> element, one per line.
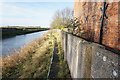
<point x="30" y="13"/>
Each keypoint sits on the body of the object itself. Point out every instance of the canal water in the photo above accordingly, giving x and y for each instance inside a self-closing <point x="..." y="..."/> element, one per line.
<point x="16" y="42"/>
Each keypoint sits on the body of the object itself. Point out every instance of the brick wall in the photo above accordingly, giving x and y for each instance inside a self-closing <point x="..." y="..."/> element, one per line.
<point x="89" y="14"/>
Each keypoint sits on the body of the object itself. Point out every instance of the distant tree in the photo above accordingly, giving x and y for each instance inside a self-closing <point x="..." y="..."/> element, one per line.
<point x="62" y="18"/>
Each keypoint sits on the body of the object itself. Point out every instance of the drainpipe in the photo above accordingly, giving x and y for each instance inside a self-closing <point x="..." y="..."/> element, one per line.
<point x="101" y="28"/>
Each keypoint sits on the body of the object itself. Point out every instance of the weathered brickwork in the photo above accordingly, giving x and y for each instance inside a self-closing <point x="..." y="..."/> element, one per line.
<point x="89" y="14"/>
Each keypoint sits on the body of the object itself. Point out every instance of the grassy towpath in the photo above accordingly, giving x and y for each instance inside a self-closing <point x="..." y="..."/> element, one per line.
<point x="59" y="67"/>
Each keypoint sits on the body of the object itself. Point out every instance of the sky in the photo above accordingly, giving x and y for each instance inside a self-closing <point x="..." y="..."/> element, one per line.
<point x="30" y="13"/>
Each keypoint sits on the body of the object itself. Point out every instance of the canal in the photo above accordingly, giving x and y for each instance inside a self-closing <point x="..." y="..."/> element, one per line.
<point x="16" y="42"/>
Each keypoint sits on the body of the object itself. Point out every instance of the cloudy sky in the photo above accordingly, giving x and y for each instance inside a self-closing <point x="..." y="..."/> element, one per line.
<point x="30" y="13"/>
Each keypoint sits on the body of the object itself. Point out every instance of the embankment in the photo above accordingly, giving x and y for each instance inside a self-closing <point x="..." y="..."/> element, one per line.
<point x="89" y="60"/>
<point x="33" y="60"/>
<point x="9" y="32"/>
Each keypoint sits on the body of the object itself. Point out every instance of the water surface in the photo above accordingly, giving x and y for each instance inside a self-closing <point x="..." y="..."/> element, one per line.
<point x="16" y="42"/>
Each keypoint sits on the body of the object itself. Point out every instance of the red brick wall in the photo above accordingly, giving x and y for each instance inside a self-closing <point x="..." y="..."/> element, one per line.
<point x="91" y="27"/>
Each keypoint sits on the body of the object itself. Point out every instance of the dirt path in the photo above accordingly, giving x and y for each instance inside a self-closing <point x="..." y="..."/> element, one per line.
<point x="58" y="68"/>
<point x="55" y="64"/>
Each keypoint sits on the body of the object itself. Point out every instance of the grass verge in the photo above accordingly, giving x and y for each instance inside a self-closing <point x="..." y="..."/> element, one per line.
<point x="33" y="60"/>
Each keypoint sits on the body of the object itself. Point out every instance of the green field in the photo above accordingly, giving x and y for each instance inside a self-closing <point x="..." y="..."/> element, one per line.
<point x="13" y="31"/>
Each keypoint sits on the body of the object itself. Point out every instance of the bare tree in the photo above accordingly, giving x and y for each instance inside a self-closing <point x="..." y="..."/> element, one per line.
<point x="67" y="15"/>
<point x="62" y="18"/>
